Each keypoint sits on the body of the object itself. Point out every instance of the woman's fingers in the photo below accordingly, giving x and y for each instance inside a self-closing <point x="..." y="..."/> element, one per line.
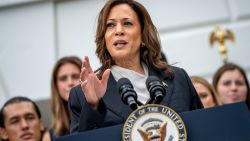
<point x="84" y="83"/>
<point x="84" y="74"/>
<point x="105" y="77"/>
<point x="93" y="88"/>
<point x="87" y="64"/>
<point x="86" y="69"/>
<point x="104" y="82"/>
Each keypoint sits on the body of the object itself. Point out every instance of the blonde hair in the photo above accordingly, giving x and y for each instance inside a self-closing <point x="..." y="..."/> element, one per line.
<point x="204" y="82"/>
<point x="60" y="111"/>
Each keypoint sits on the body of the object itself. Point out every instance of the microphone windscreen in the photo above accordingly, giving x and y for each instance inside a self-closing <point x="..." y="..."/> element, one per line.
<point x="123" y="81"/>
<point x="151" y="79"/>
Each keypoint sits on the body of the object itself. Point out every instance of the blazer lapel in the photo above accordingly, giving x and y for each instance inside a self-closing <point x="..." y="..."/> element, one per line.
<point x="113" y="102"/>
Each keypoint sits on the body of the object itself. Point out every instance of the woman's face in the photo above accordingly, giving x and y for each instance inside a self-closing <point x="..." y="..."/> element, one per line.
<point x="67" y="77"/>
<point x="231" y="87"/>
<point x="205" y="95"/>
<point x="123" y="34"/>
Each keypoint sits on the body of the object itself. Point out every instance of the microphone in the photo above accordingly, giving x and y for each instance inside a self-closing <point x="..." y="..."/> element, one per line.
<point x="127" y="92"/>
<point x="156" y="89"/>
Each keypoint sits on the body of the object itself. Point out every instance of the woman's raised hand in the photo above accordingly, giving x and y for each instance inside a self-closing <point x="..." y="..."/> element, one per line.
<point x="93" y="88"/>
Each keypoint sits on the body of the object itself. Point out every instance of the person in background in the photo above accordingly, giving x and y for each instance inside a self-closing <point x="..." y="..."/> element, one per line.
<point x="127" y="46"/>
<point x="65" y="75"/>
<point x="205" y="91"/>
<point x="231" y="84"/>
<point x="20" y="119"/>
<point x="1" y="133"/>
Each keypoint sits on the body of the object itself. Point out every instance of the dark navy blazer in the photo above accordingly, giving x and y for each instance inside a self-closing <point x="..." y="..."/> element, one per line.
<point x="180" y="96"/>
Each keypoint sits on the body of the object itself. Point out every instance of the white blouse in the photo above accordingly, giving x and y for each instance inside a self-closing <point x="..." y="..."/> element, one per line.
<point x="138" y="80"/>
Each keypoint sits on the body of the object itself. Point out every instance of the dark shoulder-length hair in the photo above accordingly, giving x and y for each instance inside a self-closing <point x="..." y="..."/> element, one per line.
<point x="229" y="67"/>
<point x="150" y="52"/>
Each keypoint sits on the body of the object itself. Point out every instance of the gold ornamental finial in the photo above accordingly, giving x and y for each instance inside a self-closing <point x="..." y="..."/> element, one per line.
<point x="220" y="36"/>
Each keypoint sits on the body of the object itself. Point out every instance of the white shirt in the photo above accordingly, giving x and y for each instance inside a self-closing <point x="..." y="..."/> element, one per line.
<point x="138" y="80"/>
